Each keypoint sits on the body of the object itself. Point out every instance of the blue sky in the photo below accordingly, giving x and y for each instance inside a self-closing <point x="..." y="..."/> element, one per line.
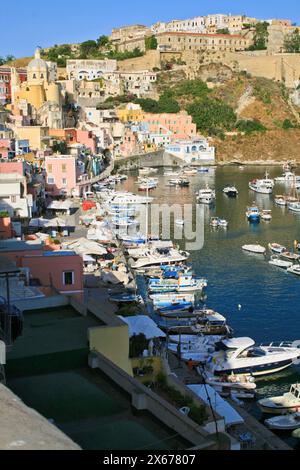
<point x="32" y="23"/>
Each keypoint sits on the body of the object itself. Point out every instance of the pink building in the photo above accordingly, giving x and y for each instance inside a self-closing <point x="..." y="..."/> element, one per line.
<point x="60" y="175"/>
<point x="76" y="136"/>
<point x="6" y="228"/>
<point x="176" y="123"/>
<point x="17" y="167"/>
<point x="62" y="270"/>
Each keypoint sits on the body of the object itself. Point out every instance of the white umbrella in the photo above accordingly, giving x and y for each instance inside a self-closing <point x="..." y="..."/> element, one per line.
<point x="39" y="222"/>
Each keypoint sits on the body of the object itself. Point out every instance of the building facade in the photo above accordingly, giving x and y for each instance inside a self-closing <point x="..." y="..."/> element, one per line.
<point x="184" y="42"/>
<point x="89" y="69"/>
<point x="5" y="82"/>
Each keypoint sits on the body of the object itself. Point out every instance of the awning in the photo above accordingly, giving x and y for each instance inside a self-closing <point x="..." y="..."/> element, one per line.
<point x="220" y="406"/>
<point x="143" y="324"/>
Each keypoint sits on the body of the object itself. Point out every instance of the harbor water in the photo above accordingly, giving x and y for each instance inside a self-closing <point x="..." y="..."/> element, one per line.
<point x="258" y="299"/>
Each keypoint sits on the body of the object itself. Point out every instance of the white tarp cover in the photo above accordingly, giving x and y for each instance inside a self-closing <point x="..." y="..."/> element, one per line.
<point x="221" y="407"/>
<point x="60" y="205"/>
<point x="86" y="247"/>
<point x="143" y="324"/>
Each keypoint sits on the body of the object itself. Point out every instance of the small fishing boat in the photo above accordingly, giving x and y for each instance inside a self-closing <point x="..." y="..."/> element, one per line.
<point x="147" y="171"/>
<point x="190" y="171"/>
<point x="214" y="222"/>
<point x="287" y="177"/>
<point x="266" y="215"/>
<point x="286" y="422"/>
<point x="230" y="191"/>
<point x="179" y="222"/>
<point x="231" y="381"/>
<point x="254" y="249"/>
<point x="217" y="222"/>
<point x="253" y="214"/>
<point x="280" y="263"/>
<point x="288" y="402"/>
<point x="294" y="206"/>
<point x="290" y="256"/>
<point x="185" y="283"/>
<point x="183" y="183"/>
<point x="223" y="223"/>
<point x="281" y="200"/>
<point x="206" y="196"/>
<point x="276" y="248"/>
<point x="203" y="169"/>
<point x="125" y="298"/>
<point x="262" y="186"/>
<point x="294" y="269"/>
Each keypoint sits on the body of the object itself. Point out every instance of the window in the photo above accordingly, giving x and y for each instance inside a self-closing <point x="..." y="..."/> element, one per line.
<point x="50" y="168"/>
<point x="68" y="278"/>
<point x="64" y="182"/>
<point x="50" y="180"/>
<point x="13" y="199"/>
<point x="64" y="168"/>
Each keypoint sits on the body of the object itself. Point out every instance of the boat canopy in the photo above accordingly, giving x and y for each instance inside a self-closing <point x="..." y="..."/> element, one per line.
<point x="238" y="343"/>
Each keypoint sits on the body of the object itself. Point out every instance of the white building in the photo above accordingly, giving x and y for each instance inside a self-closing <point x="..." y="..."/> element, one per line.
<point x="89" y="69"/>
<point x="196" y="25"/>
<point x="13" y="196"/>
<point x="192" y="151"/>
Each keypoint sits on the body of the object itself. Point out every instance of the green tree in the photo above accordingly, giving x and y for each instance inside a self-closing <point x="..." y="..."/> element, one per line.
<point x="88" y="48"/>
<point x="292" y="42"/>
<point x="260" y="37"/>
<point x="60" y="147"/>
<point x="194" y="88"/>
<point x="249" y="126"/>
<point x="151" y="43"/>
<point x="103" y="41"/>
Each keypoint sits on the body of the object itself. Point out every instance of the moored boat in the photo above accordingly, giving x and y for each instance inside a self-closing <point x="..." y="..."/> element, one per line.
<point x="253" y="214"/>
<point x="230" y="191"/>
<point x="286" y="422"/>
<point x="254" y="249"/>
<point x="280" y="263"/>
<point x="288" y="402"/>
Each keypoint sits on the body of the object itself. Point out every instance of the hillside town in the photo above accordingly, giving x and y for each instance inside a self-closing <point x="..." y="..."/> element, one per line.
<point x="76" y="122"/>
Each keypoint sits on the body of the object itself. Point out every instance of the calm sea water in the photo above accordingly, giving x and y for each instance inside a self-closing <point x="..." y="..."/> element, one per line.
<point x="269" y="297"/>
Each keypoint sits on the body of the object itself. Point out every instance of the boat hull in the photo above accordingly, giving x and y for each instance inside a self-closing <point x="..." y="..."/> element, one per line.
<point x="256" y="370"/>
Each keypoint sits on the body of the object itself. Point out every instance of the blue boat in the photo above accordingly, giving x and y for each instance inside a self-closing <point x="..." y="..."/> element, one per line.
<point x="125" y="298"/>
<point x="253" y="214"/>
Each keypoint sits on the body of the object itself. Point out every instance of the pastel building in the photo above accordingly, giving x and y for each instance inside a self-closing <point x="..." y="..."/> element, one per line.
<point x="177" y="124"/>
<point x="62" y="270"/>
<point x="192" y="151"/>
<point x="60" y="173"/>
<point x="84" y="138"/>
<point x="5" y="81"/>
<point x="13" y="196"/>
<point x="89" y="69"/>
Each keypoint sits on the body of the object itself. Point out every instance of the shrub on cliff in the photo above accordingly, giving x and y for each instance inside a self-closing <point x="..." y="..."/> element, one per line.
<point x="212" y="113"/>
<point x="249" y="126"/>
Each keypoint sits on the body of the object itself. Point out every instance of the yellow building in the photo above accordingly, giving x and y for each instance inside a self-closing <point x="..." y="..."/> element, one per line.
<point x="38" y="136"/>
<point x="131" y="113"/>
<point x="37" y="89"/>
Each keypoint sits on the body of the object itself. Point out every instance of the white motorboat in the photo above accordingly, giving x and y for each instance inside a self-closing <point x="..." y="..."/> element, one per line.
<point x="287" y="177"/>
<point x="147" y="171"/>
<point x="241" y="356"/>
<point x="276" y="248"/>
<point x="217" y="222"/>
<point x="254" y="249"/>
<point x="191" y="339"/>
<point x="190" y="171"/>
<point x="206" y="196"/>
<point x="179" y="222"/>
<point x="280" y="263"/>
<point x="281" y="200"/>
<point x="266" y="215"/>
<point x="230" y="191"/>
<point x="294" y="269"/>
<point x="294" y="206"/>
<point x="157" y="257"/>
<point x="286" y="422"/>
<point x="290" y="256"/>
<point x="223" y="223"/>
<point x="203" y="345"/>
<point x="232" y="381"/>
<point x="184" y="283"/>
<point x="288" y="402"/>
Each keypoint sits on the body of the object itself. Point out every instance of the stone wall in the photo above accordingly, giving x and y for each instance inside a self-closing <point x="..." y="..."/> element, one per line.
<point x="147" y="62"/>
